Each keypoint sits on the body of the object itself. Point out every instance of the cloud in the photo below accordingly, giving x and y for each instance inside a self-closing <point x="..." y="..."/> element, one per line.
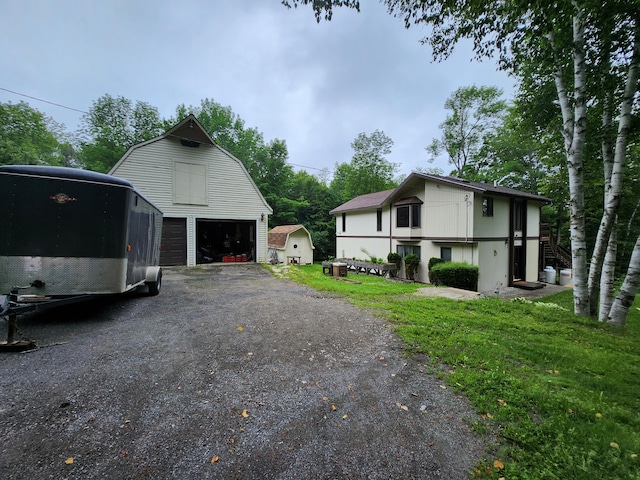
<point x="316" y="86"/>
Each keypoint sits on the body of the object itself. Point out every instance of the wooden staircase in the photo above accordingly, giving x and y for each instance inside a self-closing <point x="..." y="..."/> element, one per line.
<point x="552" y="254"/>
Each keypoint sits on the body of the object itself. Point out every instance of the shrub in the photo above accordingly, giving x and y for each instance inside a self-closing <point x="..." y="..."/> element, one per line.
<point x="433" y="278"/>
<point x="457" y="274"/>
<point x="411" y="263"/>
<point x="397" y="259"/>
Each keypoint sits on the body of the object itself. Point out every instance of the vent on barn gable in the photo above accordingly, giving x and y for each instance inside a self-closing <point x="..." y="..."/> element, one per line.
<point x="189" y="143"/>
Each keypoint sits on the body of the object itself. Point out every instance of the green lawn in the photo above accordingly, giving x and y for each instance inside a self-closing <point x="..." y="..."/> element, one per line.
<point x="561" y="394"/>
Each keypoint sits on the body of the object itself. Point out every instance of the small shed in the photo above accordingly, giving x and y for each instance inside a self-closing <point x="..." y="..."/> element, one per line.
<point x="290" y="244"/>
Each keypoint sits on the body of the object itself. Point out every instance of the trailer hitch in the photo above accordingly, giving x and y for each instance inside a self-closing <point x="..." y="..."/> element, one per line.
<point x="10" y="309"/>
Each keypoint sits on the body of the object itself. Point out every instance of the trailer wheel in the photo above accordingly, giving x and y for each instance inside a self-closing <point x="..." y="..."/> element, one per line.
<point x="154" y="287"/>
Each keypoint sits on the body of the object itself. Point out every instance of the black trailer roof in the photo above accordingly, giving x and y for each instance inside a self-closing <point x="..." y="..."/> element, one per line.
<point x="64" y="172"/>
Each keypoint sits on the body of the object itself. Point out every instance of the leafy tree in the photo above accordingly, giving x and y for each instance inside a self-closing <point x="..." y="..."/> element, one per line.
<point x="316" y="200"/>
<point x="475" y="113"/>
<point x="112" y="126"/>
<point x="369" y="171"/>
<point x="28" y="137"/>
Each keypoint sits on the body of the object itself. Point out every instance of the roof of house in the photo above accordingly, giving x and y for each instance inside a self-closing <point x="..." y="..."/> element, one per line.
<point x="278" y="235"/>
<point x="365" y="202"/>
<point x="479" y="187"/>
<point x="370" y="201"/>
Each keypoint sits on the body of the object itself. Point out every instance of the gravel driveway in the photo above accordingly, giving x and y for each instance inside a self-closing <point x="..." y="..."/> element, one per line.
<point x="228" y="373"/>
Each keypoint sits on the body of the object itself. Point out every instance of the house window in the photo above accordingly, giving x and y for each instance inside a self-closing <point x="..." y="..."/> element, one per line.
<point x="379" y="220"/>
<point x="190" y="183"/>
<point x="487" y="207"/>
<point x="408" y="215"/>
<point x="344" y="222"/>
<point x="415" y="215"/>
<point x="404" y="250"/>
<point x="445" y="253"/>
<point x="402" y="216"/>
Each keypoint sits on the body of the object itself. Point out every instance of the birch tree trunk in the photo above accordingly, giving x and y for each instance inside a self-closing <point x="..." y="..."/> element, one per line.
<point x="613" y="188"/>
<point x="595" y="274"/>
<point x="608" y="276"/>
<point x="574" y="133"/>
<point x="626" y="296"/>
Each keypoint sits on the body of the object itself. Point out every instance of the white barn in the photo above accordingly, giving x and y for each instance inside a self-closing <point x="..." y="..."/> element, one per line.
<point x="290" y="244"/>
<point x="493" y="227"/>
<point x="212" y="208"/>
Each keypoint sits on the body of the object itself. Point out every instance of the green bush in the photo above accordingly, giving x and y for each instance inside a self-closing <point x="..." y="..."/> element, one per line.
<point x="397" y="259"/>
<point x="456" y="274"/>
<point x="433" y="278"/>
<point x="411" y="263"/>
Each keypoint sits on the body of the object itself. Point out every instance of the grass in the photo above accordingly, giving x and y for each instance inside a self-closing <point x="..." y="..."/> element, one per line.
<point x="560" y="393"/>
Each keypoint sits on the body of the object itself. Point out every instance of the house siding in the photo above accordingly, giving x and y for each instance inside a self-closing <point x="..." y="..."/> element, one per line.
<point x="362" y="234"/>
<point x="230" y="193"/>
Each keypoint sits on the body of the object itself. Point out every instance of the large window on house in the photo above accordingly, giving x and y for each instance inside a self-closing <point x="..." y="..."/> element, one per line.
<point x="402" y="216"/>
<point x="487" y="206"/>
<point x="190" y="183"/>
<point x="445" y="253"/>
<point x="408" y="212"/>
<point x="404" y="250"/>
<point x="379" y="220"/>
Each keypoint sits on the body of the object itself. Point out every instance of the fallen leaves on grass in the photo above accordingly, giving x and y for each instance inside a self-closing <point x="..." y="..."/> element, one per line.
<point x="69" y="461"/>
<point x="215" y="459"/>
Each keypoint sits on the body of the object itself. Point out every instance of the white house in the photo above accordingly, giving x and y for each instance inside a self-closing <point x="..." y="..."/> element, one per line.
<point x="493" y="227"/>
<point x="290" y="244"/>
<point x="212" y="208"/>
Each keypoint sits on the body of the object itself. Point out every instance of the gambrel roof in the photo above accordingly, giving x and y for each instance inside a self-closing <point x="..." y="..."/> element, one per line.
<point x="278" y="235"/>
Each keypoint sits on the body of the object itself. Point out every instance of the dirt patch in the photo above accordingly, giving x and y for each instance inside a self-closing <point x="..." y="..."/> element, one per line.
<point x="267" y="378"/>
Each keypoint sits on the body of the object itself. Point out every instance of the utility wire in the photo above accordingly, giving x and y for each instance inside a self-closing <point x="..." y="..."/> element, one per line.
<point x="41" y="100"/>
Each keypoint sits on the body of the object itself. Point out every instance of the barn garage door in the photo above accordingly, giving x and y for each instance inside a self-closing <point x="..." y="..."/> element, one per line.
<point x="174" y="242"/>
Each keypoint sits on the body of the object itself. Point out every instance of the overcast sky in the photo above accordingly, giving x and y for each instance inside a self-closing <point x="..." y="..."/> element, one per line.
<point x="316" y="86"/>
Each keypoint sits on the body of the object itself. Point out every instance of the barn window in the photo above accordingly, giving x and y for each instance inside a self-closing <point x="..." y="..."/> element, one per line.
<point x="190" y="183"/>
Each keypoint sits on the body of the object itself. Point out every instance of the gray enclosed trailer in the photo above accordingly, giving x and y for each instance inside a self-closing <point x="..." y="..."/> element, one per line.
<point x="66" y="234"/>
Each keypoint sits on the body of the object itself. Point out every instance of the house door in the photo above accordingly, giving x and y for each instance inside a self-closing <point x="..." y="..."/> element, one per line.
<point x="518" y="240"/>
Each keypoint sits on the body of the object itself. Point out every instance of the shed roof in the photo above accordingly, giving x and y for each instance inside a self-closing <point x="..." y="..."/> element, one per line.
<point x="278" y="235"/>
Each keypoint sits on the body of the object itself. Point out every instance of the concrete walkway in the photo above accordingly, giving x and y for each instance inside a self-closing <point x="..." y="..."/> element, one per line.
<point x="507" y="292"/>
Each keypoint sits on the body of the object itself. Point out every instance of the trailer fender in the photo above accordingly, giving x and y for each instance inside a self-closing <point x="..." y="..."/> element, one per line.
<point x="153" y="280"/>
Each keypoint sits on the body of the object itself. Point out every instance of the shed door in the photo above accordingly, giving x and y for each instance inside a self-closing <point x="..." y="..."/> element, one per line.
<point x="174" y="242"/>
